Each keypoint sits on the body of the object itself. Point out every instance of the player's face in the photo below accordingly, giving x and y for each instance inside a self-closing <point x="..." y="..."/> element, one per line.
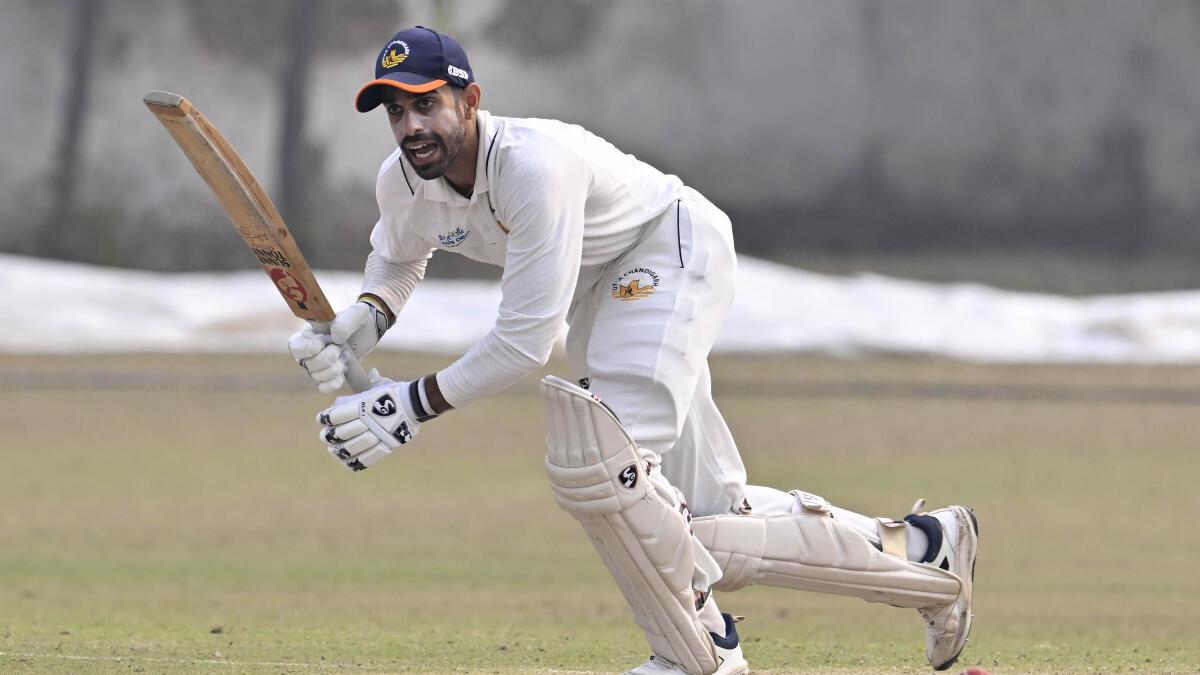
<point x="430" y="128"/>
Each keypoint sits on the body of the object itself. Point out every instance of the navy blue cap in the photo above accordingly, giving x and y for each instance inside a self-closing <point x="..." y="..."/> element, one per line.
<point x="416" y="60"/>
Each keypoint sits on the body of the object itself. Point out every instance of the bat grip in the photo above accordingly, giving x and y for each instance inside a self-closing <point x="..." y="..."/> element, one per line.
<point x="356" y="377"/>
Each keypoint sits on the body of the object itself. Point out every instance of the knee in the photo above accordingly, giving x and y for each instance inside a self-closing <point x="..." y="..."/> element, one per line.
<point x="651" y="411"/>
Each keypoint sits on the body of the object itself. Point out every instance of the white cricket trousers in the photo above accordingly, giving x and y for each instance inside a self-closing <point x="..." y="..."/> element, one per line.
<point x="640" y="335"/>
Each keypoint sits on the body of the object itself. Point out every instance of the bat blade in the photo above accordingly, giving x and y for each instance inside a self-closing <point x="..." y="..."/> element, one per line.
<point x="252" y="212"/>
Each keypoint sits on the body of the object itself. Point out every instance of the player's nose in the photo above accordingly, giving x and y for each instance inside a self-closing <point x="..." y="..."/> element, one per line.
<point x="413" y="125"/>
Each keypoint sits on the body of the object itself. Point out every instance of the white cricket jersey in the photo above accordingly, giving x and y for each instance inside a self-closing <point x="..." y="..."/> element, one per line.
<point x="549" y="198"/>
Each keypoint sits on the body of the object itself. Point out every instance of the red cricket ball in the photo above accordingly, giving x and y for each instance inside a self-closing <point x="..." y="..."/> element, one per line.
<point x="975" y="671"/>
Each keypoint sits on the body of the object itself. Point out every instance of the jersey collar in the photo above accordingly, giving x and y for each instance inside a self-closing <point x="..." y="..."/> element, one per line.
<point x="439" y="190"/>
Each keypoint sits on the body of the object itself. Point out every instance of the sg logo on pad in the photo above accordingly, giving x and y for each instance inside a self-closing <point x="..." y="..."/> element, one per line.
<point x="628" y="477"/>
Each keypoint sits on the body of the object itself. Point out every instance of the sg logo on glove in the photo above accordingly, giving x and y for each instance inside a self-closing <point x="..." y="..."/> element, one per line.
<point x="385" y="406"/>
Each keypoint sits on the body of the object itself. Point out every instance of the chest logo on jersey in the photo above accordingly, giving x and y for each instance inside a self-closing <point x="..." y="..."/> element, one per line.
<point x="453" y="237"/>
<point x="635" y="284"/>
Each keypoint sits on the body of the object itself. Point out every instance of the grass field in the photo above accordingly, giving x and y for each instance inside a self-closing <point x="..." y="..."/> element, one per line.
<point x="177" y="514"/>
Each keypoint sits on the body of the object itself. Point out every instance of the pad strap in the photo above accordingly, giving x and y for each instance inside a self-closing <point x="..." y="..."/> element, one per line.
<point x="893" y="537"/>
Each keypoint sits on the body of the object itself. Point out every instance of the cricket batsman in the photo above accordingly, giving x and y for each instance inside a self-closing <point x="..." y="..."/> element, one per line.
<point x="641" y="268"/>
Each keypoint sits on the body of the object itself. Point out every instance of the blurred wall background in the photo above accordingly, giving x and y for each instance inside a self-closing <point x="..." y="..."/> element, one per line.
<point x="1040" y="144"/>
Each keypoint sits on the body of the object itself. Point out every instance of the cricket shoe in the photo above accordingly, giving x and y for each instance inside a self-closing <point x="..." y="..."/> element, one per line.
<point x="729" y="656"/>
<point x="953" y="534"/>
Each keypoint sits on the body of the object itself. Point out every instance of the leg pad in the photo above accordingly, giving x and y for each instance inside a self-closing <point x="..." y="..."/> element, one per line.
<point x="640" y="534"/>
<point x="813" y="552"/>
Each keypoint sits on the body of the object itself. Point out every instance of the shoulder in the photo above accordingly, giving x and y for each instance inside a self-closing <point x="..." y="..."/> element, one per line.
<point x="531" y="140"/>
<point x="536" y="148"/>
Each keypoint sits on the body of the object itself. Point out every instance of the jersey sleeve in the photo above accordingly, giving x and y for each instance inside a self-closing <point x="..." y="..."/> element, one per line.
<point x="392" y="282"/>
<point x="541" y="199"/>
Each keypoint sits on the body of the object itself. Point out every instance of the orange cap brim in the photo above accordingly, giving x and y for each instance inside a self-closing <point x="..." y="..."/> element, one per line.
<point x="410" y="88"/>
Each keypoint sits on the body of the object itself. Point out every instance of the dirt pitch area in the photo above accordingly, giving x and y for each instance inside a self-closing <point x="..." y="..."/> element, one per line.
<point x="177" y="514"/>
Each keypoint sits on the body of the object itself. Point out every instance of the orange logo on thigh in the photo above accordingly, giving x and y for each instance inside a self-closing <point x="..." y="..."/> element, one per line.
<point x="635" y="284"/>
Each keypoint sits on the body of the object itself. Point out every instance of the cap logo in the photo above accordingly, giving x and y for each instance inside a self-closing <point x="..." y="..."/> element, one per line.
<point x="392" y="55"/>
<point x="458" y="72"/>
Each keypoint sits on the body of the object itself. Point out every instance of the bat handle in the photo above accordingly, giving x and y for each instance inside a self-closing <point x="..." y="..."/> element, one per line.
<point x="356" y="377"/>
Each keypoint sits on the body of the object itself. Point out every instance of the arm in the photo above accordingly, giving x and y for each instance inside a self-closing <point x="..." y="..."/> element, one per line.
<point x="385" y="290"/>
<point x="542" y="201"/>
<point x="393" y="268"/>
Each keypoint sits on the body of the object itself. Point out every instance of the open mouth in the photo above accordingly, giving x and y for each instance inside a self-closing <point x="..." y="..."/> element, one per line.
<point x="421" y="150"/>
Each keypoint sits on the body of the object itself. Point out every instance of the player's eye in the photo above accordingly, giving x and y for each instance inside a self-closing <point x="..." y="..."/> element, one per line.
<point x="392" y="108"/>
<point x="425" y="103"/>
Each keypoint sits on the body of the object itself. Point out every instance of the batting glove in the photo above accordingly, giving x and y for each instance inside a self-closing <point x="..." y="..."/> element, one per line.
<point x="364" y="428"/>
<point x="359" y="327"/>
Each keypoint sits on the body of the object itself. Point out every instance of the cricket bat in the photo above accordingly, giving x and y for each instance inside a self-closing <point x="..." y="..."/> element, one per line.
<point x="252" y="213"/>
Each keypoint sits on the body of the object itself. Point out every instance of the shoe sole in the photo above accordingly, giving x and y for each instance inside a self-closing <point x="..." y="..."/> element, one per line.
<point x="969" y="590"/>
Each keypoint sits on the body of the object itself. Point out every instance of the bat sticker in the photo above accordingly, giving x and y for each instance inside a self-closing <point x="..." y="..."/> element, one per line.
<point x="269" y="256"/>
<point x="291" y="288"/>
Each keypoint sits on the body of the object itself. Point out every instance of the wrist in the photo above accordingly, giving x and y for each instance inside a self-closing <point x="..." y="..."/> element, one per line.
<point x="425" y="398"/>
<point x="418" y="401"/>
<point x="380" y="308"/>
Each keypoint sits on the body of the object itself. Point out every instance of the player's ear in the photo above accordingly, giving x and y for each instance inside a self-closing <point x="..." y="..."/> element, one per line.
<point x="471" y="97"/>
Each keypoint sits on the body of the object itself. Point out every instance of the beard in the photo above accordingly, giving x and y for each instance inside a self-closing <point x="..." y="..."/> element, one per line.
<point x="445" y="152"/>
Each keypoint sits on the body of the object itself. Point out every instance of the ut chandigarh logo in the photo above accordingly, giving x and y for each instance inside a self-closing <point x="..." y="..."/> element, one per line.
<point x="391" y="56"/>
<point x="635" y="284"/>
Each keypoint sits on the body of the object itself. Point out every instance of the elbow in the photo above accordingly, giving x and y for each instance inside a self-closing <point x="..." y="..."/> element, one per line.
<point x="543" y="357"/>
<point x="528" y="357"/>
<point x="537" y="357"/>
<point x="527" y="342"/>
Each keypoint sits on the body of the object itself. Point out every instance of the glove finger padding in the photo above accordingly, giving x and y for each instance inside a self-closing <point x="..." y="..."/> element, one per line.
<point x="328" y="369"/>
<point x="306" y="344"/>
<point x="358" y="445"/>
<point x="324" y="364"/>
<point x="344" y="409"/>
<point x="330" y="356"/>
<point x="370" y="457"/>
<point x="344" y="432"/>
<point x="363" y="461"/>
